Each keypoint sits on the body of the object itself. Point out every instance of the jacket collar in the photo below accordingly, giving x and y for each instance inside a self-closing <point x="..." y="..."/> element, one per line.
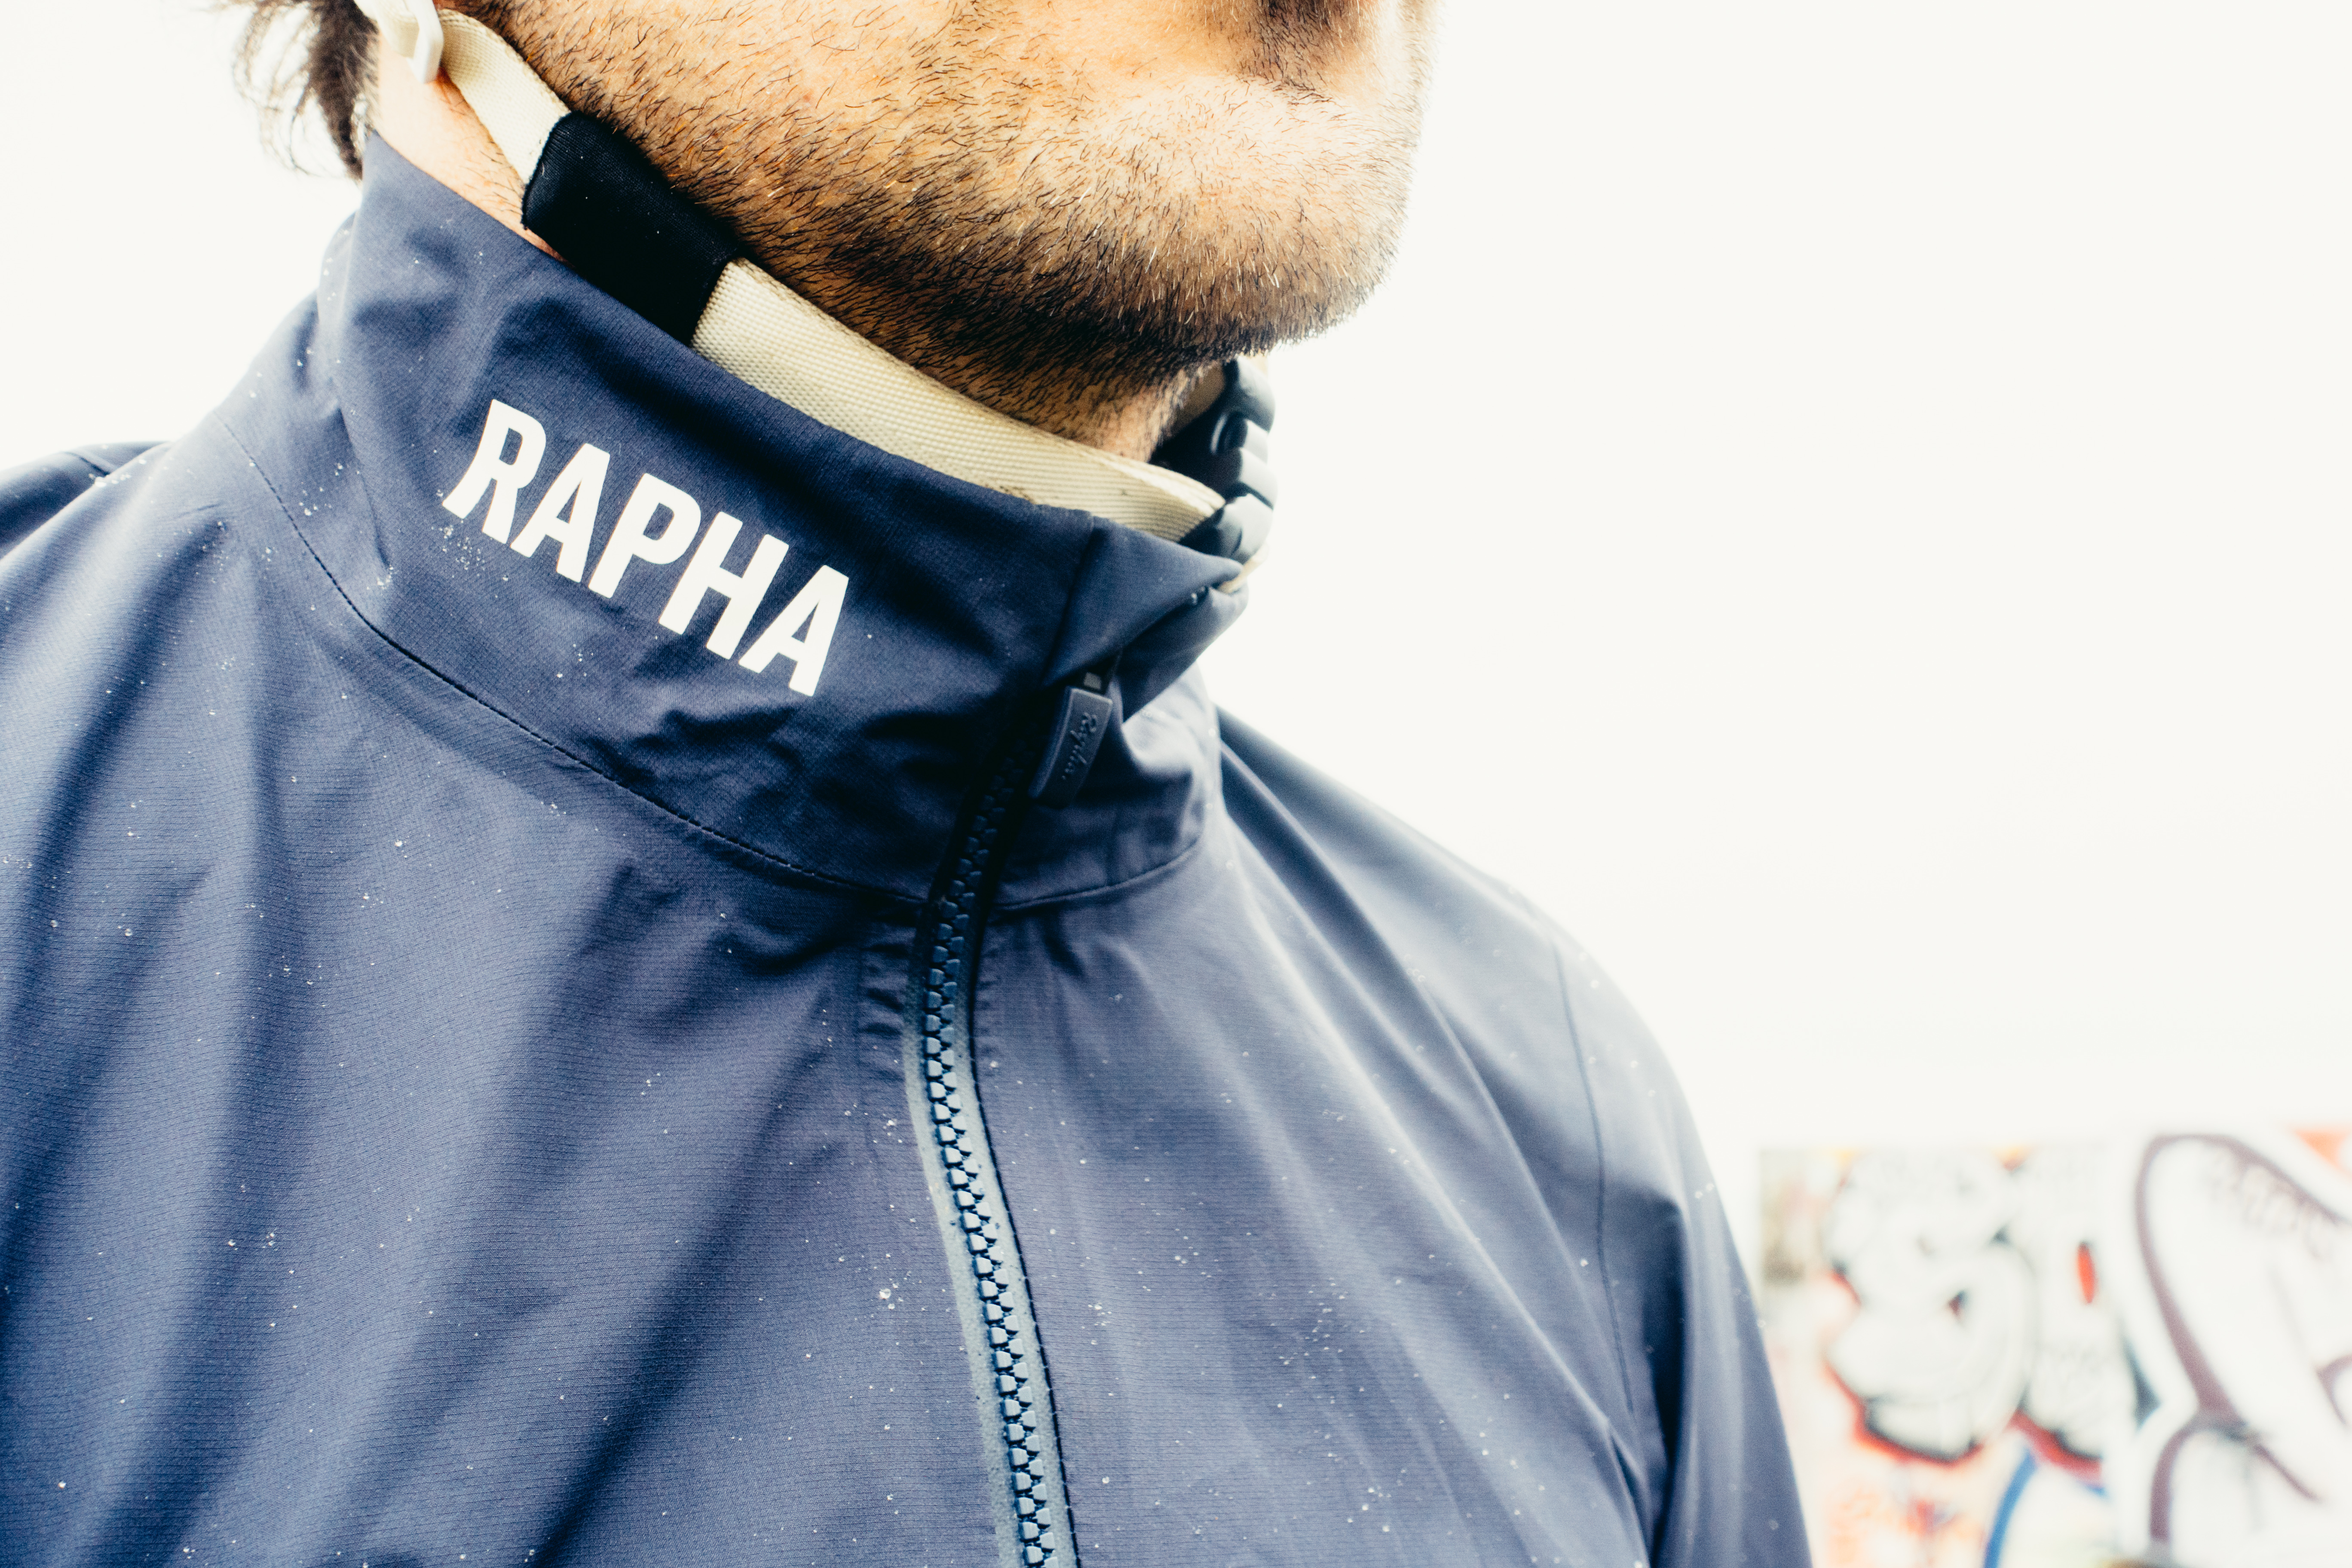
<point x="957" y="605"/>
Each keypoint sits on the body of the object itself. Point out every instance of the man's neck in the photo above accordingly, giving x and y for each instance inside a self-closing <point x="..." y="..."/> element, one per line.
<point x="433" y="127"/>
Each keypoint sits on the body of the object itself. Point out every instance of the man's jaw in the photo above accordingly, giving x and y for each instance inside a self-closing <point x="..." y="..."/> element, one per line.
<point x="1067" y="241"/>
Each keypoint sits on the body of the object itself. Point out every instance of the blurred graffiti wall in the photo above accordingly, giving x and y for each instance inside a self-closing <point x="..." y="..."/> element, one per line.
<point x="2068" y="1356"/>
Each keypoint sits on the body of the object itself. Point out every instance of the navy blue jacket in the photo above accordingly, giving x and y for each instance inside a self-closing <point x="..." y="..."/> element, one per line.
<point x="489" y="1079"/>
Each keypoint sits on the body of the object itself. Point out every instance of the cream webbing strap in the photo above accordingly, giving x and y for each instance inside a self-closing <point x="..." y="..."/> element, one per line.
<point x="517" y="108"/>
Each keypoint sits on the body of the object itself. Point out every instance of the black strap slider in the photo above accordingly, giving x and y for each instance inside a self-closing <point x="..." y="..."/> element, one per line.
<point x="615" y="222"/>
<point x="1090" y="706"/>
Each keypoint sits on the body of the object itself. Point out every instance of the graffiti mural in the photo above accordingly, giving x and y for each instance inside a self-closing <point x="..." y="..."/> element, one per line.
<point x="2068" y="1356"/>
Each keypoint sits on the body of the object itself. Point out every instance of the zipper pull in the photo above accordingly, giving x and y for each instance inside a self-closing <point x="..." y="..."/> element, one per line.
<point x="1224" y="447"/>
<point x="1089" y="704"/>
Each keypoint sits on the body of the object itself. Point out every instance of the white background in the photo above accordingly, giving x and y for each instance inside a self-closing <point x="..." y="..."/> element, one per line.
<point x="1844" y="503"/>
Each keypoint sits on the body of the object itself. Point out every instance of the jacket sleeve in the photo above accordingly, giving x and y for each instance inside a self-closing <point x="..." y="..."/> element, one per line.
<point x="1720" y="1490"/>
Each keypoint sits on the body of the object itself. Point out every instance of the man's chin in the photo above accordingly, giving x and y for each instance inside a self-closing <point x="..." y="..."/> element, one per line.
<point x="1128" y="322"/>
<point x="1123" y="254"/>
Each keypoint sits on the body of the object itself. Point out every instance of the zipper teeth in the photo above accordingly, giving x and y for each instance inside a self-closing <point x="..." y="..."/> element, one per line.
<point x="1014" y="1364"/>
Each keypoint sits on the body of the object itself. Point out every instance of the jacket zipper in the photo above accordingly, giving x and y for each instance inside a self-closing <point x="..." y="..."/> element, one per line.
<point x="1030" y="1503"/>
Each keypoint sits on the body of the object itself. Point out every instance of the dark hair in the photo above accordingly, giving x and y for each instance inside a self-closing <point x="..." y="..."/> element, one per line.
<point x="300" y="57"/>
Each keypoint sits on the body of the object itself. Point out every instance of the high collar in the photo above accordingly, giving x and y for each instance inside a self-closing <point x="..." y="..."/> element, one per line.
<point x="961" y="605"/>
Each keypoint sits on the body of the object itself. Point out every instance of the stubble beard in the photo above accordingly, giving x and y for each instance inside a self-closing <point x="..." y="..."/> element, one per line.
<point x="1045" y="249"/>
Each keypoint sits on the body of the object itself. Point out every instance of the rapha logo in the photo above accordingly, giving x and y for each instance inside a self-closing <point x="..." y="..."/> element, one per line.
<point x="506" y="461"/>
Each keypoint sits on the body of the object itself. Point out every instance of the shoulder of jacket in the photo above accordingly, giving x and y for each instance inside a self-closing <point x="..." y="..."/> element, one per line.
<point x="1498" y="965"/>
<point x="33" y="493"/>
<point x="1472" y="942"/>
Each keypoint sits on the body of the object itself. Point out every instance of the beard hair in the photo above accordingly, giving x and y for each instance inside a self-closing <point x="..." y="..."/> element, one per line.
<point x="1007" y="230"/>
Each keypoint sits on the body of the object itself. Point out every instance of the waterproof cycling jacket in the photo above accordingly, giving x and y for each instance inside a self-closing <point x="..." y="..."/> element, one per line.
<point x="591" y="1053"/>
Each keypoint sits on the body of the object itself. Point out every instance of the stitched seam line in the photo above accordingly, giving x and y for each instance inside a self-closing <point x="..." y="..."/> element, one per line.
<point x="1601" y="1176"/>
